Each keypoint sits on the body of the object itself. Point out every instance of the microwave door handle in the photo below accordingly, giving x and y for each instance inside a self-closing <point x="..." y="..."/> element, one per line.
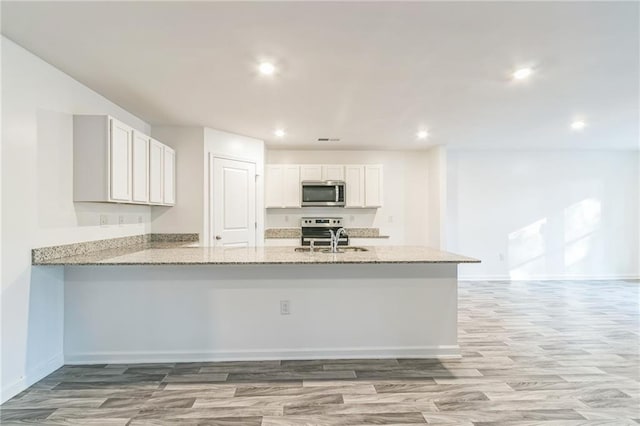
<point x="337" y="193"/>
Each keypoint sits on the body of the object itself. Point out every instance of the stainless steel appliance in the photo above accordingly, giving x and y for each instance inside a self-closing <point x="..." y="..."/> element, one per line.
<point x="319" y="193"/>
<point x="318" y="230"/>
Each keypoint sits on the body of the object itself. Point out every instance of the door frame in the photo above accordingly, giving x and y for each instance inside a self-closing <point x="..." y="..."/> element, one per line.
<point x="210" y="235"/>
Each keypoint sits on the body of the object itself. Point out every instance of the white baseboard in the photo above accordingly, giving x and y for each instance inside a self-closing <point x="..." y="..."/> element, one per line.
<point x="37" y="373"/>
<point x="449" y="351"/>
<point x="567" y="277"/>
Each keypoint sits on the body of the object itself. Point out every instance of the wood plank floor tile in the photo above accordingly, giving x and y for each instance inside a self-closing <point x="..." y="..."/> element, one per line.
<point x="554" y="353"/>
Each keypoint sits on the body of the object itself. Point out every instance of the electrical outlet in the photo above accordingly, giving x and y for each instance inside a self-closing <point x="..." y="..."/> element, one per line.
<point x="104" y="220"/>
<point x="285" y="307"/>
<point x="352" y="218"/>
<point x="501" y="256"/>
<point x="390" y="219"/>
<point x="120" y="220"/>
<point x="139" y="219"/>
<point x="286" y="218"/>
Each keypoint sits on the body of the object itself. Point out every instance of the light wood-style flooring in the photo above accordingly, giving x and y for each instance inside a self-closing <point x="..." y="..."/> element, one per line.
<point x="534" y="353"/>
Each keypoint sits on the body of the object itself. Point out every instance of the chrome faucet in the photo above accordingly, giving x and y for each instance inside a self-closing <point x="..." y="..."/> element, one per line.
<point x="335" y="237"/>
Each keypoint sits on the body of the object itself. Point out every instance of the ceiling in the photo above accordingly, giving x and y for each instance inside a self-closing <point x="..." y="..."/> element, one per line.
<point x="371" y="74"/>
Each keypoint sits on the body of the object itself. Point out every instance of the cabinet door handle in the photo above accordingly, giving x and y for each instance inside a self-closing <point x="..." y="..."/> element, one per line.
<point x="218" y="237"/>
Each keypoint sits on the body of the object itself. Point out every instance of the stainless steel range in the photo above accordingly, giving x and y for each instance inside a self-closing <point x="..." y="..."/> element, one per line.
<point x="318" y="230"/>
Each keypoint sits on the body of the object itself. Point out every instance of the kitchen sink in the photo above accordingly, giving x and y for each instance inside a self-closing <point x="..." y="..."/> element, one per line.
<point x="342" y="249"/>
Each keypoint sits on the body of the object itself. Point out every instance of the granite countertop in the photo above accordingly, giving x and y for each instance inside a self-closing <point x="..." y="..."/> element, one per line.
<point x="154" y="253"/>
<point x="280" y="233"/>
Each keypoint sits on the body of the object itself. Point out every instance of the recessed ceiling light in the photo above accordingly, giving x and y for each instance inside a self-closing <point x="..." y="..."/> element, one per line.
<point x="522" y="73"/>
<point x="279" y="133"/>
<point x="267" y="68"/>
<point x="578" y="125"/>
<point x="422" y="134"/>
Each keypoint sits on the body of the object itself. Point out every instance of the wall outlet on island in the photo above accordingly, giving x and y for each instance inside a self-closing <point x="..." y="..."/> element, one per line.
<point x="285" y="307"/>
<point x="104" y="220"/>
<point x="120" y="220"/>
<point x="139" y="219"/>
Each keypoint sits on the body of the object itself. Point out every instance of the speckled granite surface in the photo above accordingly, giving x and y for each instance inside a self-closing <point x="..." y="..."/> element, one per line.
<point x="44" y="254"/>
<point x="282" y="233"/>
<point x="274" y="233"/>
<point x="154" y="254"/>
<point x="174" y="238"/>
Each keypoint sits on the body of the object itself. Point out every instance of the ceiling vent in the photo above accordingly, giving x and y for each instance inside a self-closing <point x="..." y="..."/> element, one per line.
<point x="328" y="139"/>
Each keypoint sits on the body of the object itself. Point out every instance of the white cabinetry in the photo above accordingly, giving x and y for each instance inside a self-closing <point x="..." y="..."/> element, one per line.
<point x="363" y="183"/>
<point x="120" y="161"/>
<point x="140" y="192"/>
<point x="114" y="163"/>
<point x="168" y="176"/>
<point x="162" y="174"/>
<point x="155" y="172"/>
<point x="373" y="186"/>
<point x="321" y="172"/>
<point x="354" y="178"/>
<point x="282" y="188"/>
<point x="310" y="172"/>
<point x="333" y="172"/>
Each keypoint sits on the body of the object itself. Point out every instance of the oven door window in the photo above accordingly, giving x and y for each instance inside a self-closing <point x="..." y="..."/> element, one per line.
<point x="319" y="193"/>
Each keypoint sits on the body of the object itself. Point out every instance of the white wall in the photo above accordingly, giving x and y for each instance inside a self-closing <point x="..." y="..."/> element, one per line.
<point x="404" y="216"/>
<point x="38" y="102"/>
<point x="545" y="214"/>
<point x="187" y="216"/>
<point x="232" y="312"/>
<point x="193" y="147"/>
<point x="437" y="204"/>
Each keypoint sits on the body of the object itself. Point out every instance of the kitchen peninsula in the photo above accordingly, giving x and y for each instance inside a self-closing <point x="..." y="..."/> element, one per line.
<point x="155" y="302"/>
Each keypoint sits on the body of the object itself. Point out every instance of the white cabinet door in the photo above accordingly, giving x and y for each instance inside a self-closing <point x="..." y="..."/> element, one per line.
<point x="373" y="186"/>
<point x="333" y="172"/>
<point x="291" y="188"/>
<point x="310" y="172"/>
<point x="354" y="178"/>
<point x="155" y="172"/>
<point x="168" y="175"/>
<point x="140" y="167"/>
<point x="120" y="161"/>
<point x="274" y="182"/>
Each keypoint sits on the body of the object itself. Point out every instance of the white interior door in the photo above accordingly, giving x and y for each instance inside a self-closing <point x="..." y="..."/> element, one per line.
<point x="233" y="203"/>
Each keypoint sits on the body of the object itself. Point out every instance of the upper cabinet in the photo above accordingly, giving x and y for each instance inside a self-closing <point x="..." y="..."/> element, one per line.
<point x="310" y="172"/>
<point x="333" y="172"/>
<point x="354" y="178"/>
<point x="373" y="186"/>
<point x="282" y="186"/>
<point x="114" y="163"/>
<point x="321" y="172"/>
<point x="140" y="173"/>
<point x="155" y="171"/>
<point x="120" y="161"/>
<point x="363" y="183"/>
<point x="169" y="176"/>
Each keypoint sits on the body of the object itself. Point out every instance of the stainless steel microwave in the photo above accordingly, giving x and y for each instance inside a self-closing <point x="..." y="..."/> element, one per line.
<point x="327" y="193"/>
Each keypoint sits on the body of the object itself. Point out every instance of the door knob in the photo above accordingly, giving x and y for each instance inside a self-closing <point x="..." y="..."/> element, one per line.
<point x="218" y="237"/>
